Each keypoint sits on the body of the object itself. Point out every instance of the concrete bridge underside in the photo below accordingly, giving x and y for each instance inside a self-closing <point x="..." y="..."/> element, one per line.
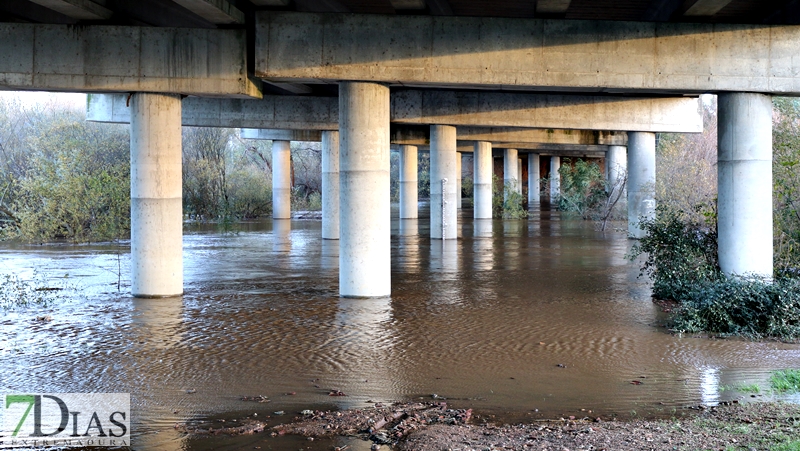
<point x="463" y="79"/>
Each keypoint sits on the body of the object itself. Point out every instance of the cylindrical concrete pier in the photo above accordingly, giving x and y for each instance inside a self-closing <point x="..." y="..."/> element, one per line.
<point x="555" y="178"/>
<point x="281" y="180"/>
<point x="510" y="169"/>
<point x="458" y="180"/>
<point x="641" y="180"/>
<point x="519" y="175"/>
<point x="482" y="173"/>
<point x="156" y="196"/>
<point x="364" y="198"/>
<point x="616" y="167"/>
<point x="534" y="196"/>
<point x="330" y="185"/>
<point x="443" y="166"/>
<point x="409" y="183"/>
<point x="744" y="183"/>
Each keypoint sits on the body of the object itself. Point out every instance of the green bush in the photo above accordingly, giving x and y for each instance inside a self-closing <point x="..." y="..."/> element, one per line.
<point x="679" y="254"/>
<point x="507" y="203"/>
<point x="583" y="187"/>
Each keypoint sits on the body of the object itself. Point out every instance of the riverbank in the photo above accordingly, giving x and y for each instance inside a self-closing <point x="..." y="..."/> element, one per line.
<point x="772" y="426"/>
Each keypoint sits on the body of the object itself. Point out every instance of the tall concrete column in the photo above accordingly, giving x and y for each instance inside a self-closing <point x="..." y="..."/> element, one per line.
<point x="458" y="179"/>
<point x="641" y="180"/>
<point x="510" y="168"/>
<point x="519" y="176"/>
<point x="482" y="172"/>
<point x="534" y="197"/>
<point x="156" y="196"/>
<point x="744" y="183"/>
<point x="555" y="178"/>
<point x="330" y="185"/>
<point x="616" y="165"/>
<point x="443" y="166"/>
<point x="409" y="183"/>
<point x="364" y="198"/>
<point x="281" y="180"/>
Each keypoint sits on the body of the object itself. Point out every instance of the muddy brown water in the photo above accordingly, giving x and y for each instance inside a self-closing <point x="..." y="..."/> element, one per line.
<point x="536" y="318"/>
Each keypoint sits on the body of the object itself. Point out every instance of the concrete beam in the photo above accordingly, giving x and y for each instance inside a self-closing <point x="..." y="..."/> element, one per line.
<point x="497" y="109"/>
<point x="77" y="9"/>
<point x="125" y="59"/>
<point x="218" y="12"/>
<point x="271" y="112"/>
<point x="500" y="53"/>
<point x="416" y="135"/>
<point x="677" y="114"/>
<point x="563" y="151"/>
<point x="281" y="135"/>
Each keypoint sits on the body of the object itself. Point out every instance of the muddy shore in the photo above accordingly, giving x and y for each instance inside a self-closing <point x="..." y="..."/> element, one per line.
<point x="434" y="426"/>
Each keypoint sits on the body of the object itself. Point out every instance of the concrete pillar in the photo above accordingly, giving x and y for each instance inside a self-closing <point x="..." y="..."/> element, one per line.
<point x="156" y="196"/>
<point x="409" y="186"/>
<point x="510" y="168"/>
<point x="458" y="180"/>
<point x="482" y="175"/>
<point x="330" y="185"/>
<point x="744" y="183"/>
<point x="443" y="166"/>
<point x="641" y="180"/>
<point x="519" y="176"/>
<point x="281" y="180"/>
<point x="616" y="165"/>
<point x="534" y="197"/>
<point x="555" y="178"/>
<point x="364" y="198"/>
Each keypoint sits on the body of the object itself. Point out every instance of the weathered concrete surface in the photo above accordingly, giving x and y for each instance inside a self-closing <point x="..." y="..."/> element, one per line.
<point x="745" y="184"/>
<point x="534" y="195"/>
<point x="330" y="185"/>
<point x="409" y="182"/>
<point x="365" y="246"/>
<point x="510" y="176"/>
<point x="458" y="180"/>
<point x="496" y="112"/>
<point x="282" y="135"/>
<point x="482" y="173"/>
<point x="156" y="196"/>
<point x="271" y="112"/>
<point x="616" y="166"/>
<point x="555" y="178"/>
<point x="568" y="111"/>
<point x="128" y="59"/>
<point x="281" y="180"/>
<point x="516" y="53"/>
<point x="444" y="208"/>
<point x="641" y="180"/>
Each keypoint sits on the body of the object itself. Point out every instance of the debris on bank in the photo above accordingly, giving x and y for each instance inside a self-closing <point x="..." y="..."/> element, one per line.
<point x="381" y="424"/>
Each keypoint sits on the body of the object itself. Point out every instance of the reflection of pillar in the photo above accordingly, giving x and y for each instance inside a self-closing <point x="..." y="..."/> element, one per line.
<point x="156" y="196"/>
<point x="330" y="185"/>
<point x="282" y="235"/>
<point x="409" y="189"/>
<point x="745" y="184"/>
<point x="482" y="228"/>
<point x="555" y="178"/>
<point x="458" y="180"/>
<point x="482" y="175"/>
<point x="443" y="166"/>
<point x="533" y="179"/>
<point x="510" y="168"/>
<point x="409" y="227"/>
<point x="641" y="180"/>
<point x="364" y="192"/>
<point x="616" y="166"/>
<point x="281" y="180"/>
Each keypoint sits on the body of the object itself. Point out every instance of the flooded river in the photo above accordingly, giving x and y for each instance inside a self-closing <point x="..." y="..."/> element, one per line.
<point x="519" y="319"/>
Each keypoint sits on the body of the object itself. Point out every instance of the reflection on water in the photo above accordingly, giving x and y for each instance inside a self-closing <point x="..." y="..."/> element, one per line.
<point x="544" y="313"/>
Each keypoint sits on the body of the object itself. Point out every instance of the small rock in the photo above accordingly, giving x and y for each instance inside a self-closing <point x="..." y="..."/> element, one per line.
<point x="561" y="365"/>
<point x="307" y="412"/>
<point x="375" y="447"/>
<point x="279" y="412"/>
<point x="191" y="391"/>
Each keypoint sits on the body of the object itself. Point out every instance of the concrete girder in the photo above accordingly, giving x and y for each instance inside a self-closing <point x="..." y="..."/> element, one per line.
<point x="77" y="9"/>
<point x="677" y="114"/>
<point x="218" y="12"/>
<point x="516" y="53"/>
<point x="281" y="135"/>
<point x="591" y="151"/>
<point x="125" y="59"/>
